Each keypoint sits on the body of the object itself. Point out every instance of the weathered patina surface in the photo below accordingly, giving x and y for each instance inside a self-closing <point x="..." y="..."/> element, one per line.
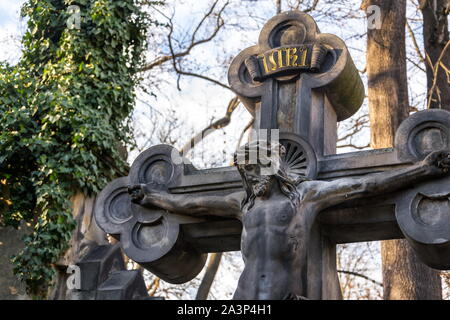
<point x="173" y="214"/>
<point x="278" y="213"/>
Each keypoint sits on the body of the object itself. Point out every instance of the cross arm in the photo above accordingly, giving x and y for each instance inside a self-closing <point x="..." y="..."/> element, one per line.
<point x="333" y="193"/>
<point x="227" y="206"/>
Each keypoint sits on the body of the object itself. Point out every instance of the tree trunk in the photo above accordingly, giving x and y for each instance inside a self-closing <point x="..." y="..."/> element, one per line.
<point x="386" y="71"/>
<point x="278" y="4"/>
<point x="435" y="38"/>
<point x="404" y="276"/>
<point x="85" y="237"/>
<point x="208" y="278"/>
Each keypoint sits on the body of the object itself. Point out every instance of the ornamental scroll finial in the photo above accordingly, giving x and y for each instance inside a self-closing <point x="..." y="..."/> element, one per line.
<point x="291" y="49"/>
<point x="319" y="53"/>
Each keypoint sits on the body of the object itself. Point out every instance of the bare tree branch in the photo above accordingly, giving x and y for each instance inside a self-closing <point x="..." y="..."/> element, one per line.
<point x="153" y="286"/>
<point x="356" y="274"/>
<point x="435" y="73"/>
<point x="219" y="124"/>
<point x="278" y="5"/>
<point x="416" y="45"/>
<point x="247" y="127"/>
<point x="354" y="146"/>
<point x="187" y="73"/>
<point x="194" y="41"/>
<point x="415" y="64"/>
<point x="208" y="278"/>
<point x="447" y="72"/>
<point x="177" y="69"/>
<point x="312" y="7"/>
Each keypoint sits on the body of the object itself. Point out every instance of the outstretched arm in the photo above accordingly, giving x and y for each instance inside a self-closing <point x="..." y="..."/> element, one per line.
<point x="194" y="205"/>
<point x="332" y="193"/>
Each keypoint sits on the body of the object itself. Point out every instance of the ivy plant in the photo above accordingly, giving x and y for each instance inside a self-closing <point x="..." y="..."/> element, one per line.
<point x="64" y="111"/>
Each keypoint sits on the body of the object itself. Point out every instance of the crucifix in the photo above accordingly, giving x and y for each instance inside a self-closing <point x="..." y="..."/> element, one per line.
<point x="168" y="215"/>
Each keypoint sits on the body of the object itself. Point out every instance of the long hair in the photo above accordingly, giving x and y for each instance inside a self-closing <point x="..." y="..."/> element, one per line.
<point x="263" y="149"/>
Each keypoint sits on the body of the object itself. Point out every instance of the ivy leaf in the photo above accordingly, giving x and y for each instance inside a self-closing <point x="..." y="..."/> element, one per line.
<point x="59" y="113"/>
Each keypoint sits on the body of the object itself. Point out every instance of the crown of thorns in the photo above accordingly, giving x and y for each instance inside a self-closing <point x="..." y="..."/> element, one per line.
<point x="259" y="152"/>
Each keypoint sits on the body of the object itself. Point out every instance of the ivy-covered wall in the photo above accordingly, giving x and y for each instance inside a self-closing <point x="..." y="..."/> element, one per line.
<point x="64" y="112"/>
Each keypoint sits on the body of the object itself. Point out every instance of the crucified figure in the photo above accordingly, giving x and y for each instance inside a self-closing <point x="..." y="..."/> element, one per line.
<point x="277" y="214"/>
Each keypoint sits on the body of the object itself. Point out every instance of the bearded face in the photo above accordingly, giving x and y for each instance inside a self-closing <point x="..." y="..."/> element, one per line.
<point x="260" y="184"/>
<point x="262" y="187"/>
<point x="259" y="163"/>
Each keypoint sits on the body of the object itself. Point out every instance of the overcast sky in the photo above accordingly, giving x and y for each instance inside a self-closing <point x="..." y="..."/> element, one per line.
<point x="11" y="28"/>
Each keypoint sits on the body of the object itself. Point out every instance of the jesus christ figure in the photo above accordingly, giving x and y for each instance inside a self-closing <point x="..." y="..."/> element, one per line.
<point x="278" y="212"/>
